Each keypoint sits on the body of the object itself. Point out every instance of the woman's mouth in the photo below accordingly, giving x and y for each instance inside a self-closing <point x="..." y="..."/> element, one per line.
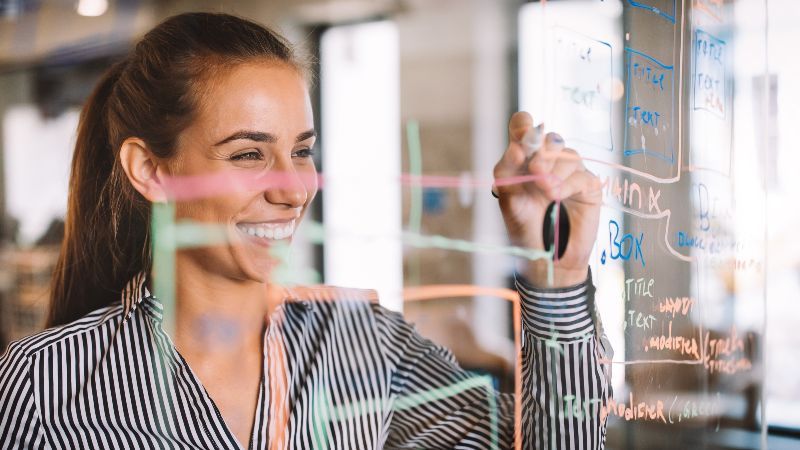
<point x="268" y="230"/>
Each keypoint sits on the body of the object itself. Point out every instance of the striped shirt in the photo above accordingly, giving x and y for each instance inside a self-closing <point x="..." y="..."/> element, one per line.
<point x="337" y="374"/>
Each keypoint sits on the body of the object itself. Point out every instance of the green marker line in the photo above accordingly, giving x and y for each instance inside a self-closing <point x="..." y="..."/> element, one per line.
<point x="436" y="241"/>
<point x="190" y="234"/>
<point x="315" y="233"/>
<point x="432" y="395"/>
<point x="361" y="407"/>
<point x="415" y="170"/>
<point x="187" y="234"/>
<point x="164" y="242"/>
<point x="415" y="204"/>
<point x="350" y="410"/>
<point x="319" y="428"/>
<point x="281" y="274"/>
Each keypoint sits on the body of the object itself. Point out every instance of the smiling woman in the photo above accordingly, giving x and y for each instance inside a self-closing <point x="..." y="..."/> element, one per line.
<point x="251" y="362"/>
<point x="247" y="128"/>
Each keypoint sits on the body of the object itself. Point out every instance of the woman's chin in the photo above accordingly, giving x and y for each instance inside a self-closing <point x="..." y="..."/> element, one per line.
<point x="259" y="268"/>
<point x="258" y="259"/>
<point x="258" y="271"/>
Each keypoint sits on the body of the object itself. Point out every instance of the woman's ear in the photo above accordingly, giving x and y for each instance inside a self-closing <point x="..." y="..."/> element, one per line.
<point x="142" y="168"/>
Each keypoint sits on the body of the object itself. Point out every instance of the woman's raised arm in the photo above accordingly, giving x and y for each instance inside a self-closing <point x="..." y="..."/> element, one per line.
<point x="564" y="383"/>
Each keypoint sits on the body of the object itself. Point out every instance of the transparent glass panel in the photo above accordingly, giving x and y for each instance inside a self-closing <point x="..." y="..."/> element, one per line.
<point x="275" y="314"/>
<point x="665" y="101"/>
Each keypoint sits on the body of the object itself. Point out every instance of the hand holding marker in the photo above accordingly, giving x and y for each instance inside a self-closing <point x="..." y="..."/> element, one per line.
<point x="553" y="229"/>
<point x="547" y="197"/>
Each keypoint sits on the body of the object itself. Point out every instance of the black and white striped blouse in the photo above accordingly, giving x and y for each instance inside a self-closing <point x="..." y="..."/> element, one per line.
<point x="343" y="374"/>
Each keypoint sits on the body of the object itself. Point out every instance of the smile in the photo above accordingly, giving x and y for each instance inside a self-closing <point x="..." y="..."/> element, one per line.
<point x="275" y="231"/>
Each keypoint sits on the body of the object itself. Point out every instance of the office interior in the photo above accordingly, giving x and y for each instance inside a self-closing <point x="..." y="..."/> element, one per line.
<point x="436" y="82"/>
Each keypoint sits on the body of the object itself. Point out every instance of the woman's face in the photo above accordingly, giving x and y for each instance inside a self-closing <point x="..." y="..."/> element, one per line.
<point x="254" y="125"/>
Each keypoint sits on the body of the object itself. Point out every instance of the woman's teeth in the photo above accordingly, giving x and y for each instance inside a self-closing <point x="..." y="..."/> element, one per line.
<point x="269" y="230"/>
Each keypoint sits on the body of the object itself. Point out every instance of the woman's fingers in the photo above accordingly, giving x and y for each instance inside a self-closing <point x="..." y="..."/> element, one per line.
<point x="543" y="162"/>
<point x="508" y="166"/>
<point x="558" y="184"/>
<point x="515" y="154"/>
<point x="558" y="171"/>
<point x="519" y="124"/>
<point x="581" y="186"/>
<point x="549" y="153"/>
<point x="564" y="163"/>
<point x="553" y="142"/>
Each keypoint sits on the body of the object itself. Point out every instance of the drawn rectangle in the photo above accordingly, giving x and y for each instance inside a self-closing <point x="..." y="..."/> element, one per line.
<point x="709" y="77"/>
<point x="649" y="107"/>
<point x="582" y="107"/>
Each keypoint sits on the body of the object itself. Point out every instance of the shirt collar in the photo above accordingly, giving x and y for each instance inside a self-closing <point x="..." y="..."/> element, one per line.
<point x="136" y="294"/>
<point x="292" y="296"/>
<point x="306" y="295"/>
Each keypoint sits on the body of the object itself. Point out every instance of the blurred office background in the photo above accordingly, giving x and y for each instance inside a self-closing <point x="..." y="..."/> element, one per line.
<point x="403" y="86"/>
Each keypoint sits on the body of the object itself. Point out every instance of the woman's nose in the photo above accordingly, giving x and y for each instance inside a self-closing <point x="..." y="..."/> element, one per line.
<point x="285" y="186"/>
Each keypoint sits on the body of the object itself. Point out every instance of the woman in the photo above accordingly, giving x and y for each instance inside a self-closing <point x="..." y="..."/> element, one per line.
<point x="250" y="363"/>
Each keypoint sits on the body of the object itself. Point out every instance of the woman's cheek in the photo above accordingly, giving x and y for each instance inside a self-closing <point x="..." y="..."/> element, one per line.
<point x="311" y="183"/>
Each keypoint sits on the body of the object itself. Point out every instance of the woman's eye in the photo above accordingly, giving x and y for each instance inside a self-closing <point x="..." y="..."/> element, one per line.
<point x="304" y="153"/>
<point x="247" y="156"/>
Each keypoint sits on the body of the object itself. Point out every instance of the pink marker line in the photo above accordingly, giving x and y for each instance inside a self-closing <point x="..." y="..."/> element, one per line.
<point x="193" y="187"/>
<point x="446" y="181"/>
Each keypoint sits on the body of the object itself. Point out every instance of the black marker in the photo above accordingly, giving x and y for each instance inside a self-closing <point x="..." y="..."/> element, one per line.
<point x="548" y="230"/>
<point x="532" y="141"/>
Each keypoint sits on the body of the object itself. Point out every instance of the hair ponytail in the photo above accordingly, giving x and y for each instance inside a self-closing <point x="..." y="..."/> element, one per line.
<point x="152" y="95"/>
<point x="84" y="278"/>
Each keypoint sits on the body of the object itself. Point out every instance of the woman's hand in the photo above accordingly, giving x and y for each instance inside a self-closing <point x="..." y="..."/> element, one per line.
<point x="560" y="176"/>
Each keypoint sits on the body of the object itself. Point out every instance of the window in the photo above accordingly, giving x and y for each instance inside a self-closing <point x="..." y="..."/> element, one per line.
<point x="361" y="158"/>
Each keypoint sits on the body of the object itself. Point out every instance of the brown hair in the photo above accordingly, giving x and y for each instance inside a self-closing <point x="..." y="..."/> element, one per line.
<point x="152" y="94"/>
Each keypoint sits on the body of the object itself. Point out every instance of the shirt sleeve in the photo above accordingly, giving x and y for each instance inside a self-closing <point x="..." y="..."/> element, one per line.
<point x="566" y="371"/>
<point x="438" y="405"/>
<point x="20" y="424"/>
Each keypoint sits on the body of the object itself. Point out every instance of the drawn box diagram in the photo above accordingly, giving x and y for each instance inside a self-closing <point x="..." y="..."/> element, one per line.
<point x="664" y="8"/>
<point x="649" y="107"/>
<point x="583" y="75"/>
<point x="711" y="92"/>
<point x="709" y="73"/>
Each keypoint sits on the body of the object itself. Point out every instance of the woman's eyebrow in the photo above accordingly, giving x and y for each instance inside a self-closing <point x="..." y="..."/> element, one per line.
<point x="257" y="136"/>
<point x="306" y="135"/>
